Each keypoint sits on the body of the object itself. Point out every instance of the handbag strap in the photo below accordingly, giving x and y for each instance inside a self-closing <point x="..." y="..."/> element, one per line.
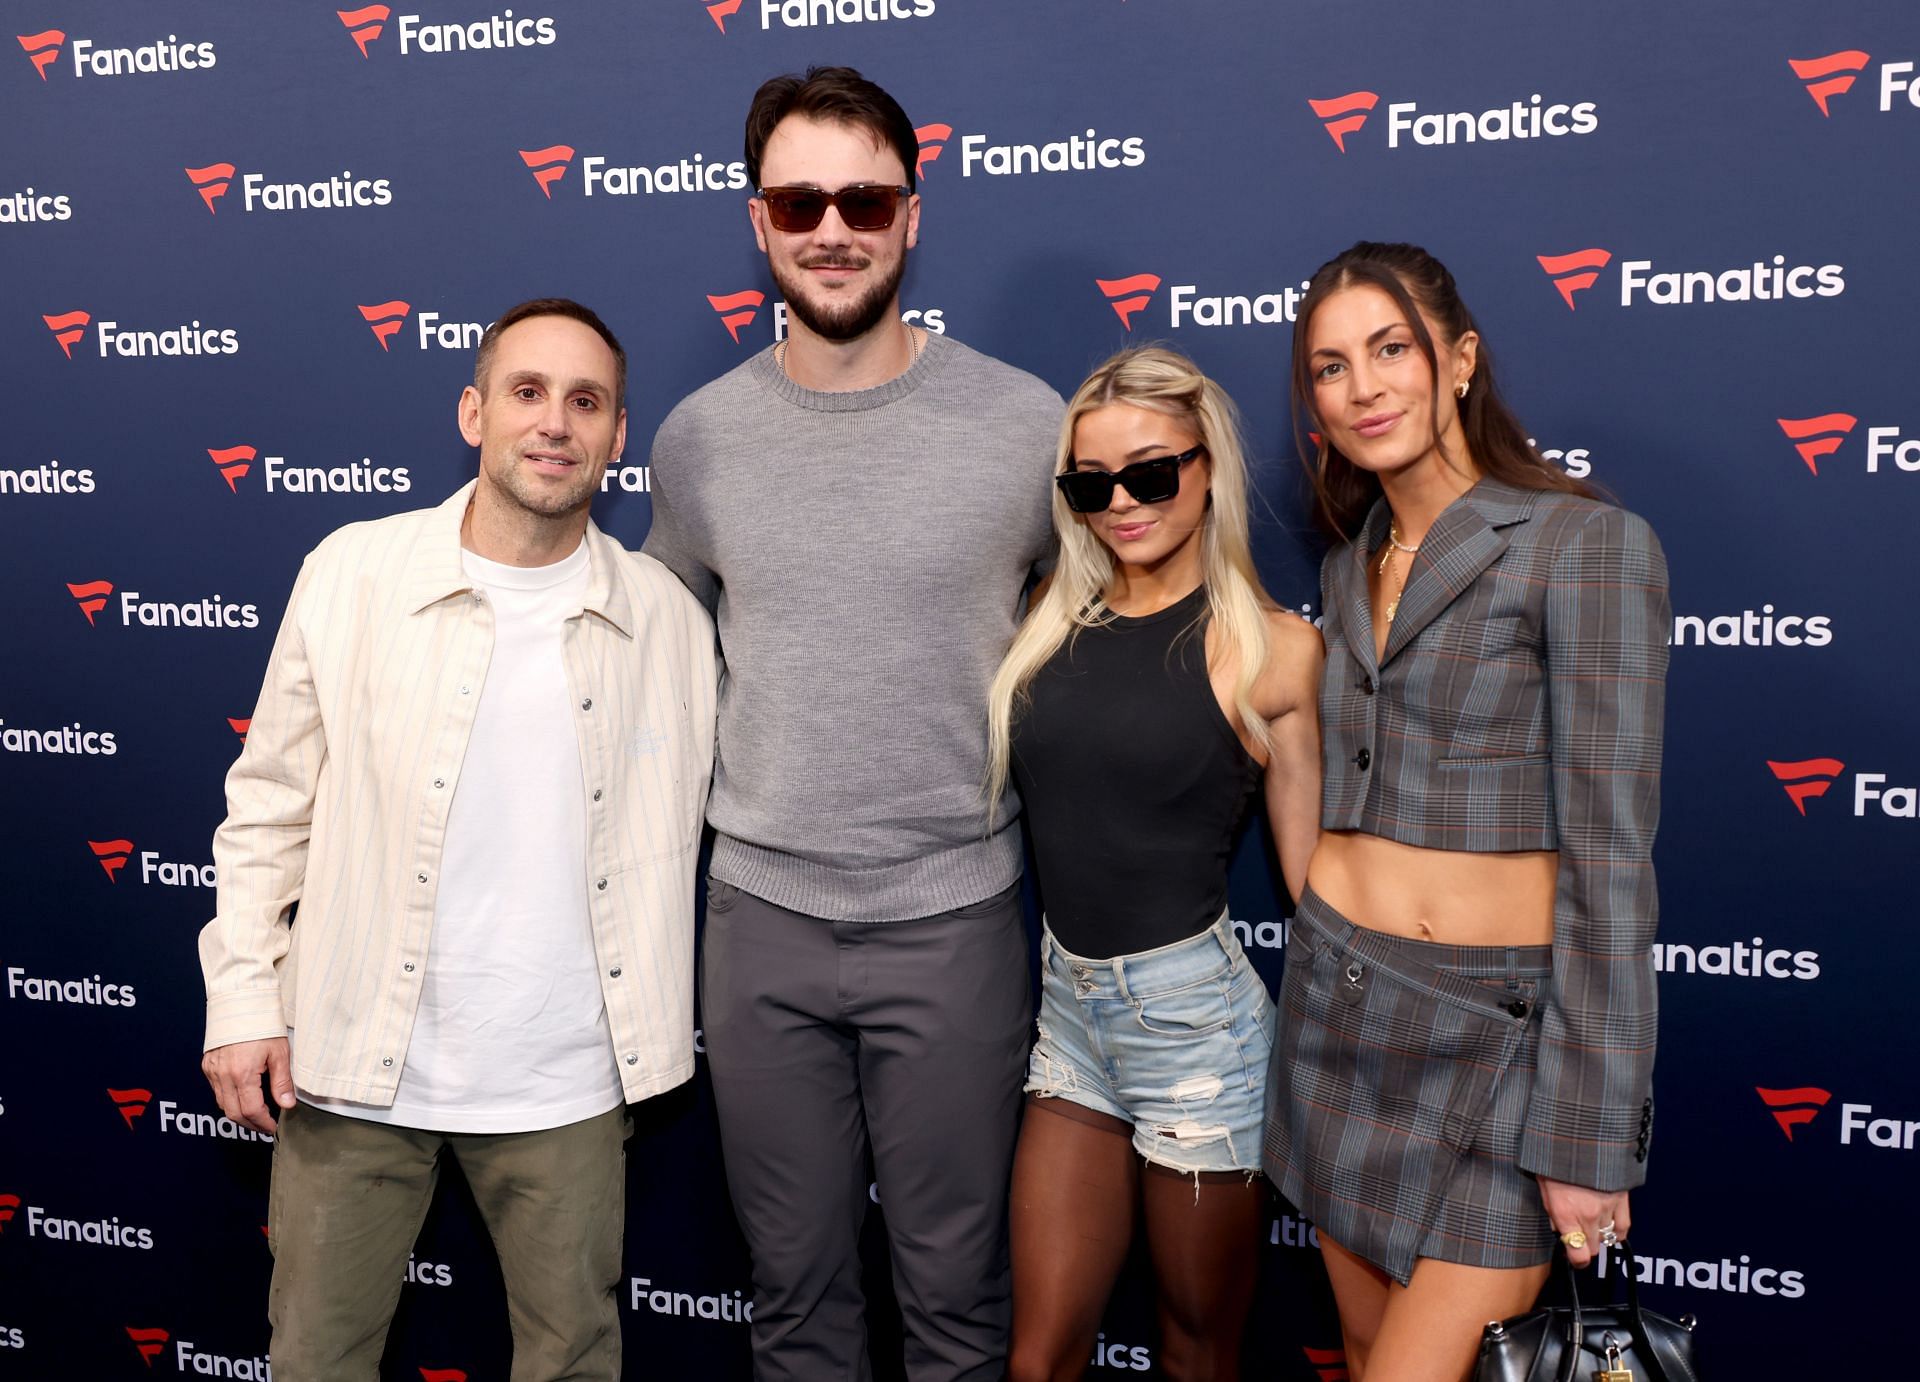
<point x="1636" y="1321"/>
<point x="1576" y="1329"/>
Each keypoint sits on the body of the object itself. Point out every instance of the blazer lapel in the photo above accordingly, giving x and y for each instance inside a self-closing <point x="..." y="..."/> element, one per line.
<point x="1349" y="592"/>
<point x="1465" y="540"/>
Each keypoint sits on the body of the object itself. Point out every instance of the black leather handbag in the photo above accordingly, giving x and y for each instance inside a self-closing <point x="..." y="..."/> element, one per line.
<point x="1569" y="1343"/>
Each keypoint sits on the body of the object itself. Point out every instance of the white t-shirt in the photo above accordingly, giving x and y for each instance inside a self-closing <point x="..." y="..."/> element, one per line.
<point x="511" y="1034"/>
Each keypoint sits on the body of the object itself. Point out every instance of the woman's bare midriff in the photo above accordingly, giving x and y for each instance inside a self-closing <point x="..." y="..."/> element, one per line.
<point x="1442" y="895"/>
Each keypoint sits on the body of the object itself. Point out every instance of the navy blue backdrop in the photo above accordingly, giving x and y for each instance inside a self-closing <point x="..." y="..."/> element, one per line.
<point x="248" y="250"/>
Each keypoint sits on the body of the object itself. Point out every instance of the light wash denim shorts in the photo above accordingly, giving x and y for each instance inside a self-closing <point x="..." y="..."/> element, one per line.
<point x="1174" y="1041"/>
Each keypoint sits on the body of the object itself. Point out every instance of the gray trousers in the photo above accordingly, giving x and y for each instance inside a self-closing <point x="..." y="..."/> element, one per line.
<point x="346" y="1203"/>
<point x="826" y="1038"/>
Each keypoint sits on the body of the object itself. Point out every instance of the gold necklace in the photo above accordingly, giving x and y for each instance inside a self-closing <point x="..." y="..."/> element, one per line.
<point x="1394" y="544"/>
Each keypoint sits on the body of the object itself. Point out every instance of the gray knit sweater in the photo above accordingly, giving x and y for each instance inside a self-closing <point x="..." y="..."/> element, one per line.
<point x="863" y="554"/>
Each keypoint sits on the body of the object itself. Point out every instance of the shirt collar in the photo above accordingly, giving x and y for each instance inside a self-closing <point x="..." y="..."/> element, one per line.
<point x="434" y="571"/>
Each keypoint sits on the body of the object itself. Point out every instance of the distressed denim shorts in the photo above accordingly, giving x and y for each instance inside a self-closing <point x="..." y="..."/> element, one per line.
<point x="1174" y="1041"/>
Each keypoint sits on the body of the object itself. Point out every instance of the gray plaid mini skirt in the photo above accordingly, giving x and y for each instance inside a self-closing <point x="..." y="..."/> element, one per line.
<point x="1398" y="1093"/>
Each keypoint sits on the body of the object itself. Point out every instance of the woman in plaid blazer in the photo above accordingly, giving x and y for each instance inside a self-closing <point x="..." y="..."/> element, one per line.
<point x="1467" y="1019"/>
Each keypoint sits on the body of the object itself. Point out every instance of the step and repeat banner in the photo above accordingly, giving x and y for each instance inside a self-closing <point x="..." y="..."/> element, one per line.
<point x="248" y="252"/>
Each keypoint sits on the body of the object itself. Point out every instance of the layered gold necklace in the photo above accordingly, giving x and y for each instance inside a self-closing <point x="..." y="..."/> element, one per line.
<point x="1394" y="547"/>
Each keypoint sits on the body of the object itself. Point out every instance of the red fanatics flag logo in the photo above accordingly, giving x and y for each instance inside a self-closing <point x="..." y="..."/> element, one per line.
<point x="43" y="49"/>
<point x="1793" y="1107"/>
<point x="1828" y="76"/>
<point x="386" y="319"/>
<point x="1344" y="114"/>
<point x="737" y="309"/>
<point x="548" y="165"/>
<point x="1572" y="273"/>
<point x="364" y="24"/>
<point x="1128" y="295"/>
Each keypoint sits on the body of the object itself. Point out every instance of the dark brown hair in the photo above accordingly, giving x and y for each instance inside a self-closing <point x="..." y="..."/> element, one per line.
<point x="551" y="307"/>
<point x="837" y="94"/>
<point x="1418" y="283"/>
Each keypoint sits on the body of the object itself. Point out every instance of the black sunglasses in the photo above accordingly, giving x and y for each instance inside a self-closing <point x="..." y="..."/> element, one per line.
<point x="864" y="206"/>
<point x="1149" y="482"/>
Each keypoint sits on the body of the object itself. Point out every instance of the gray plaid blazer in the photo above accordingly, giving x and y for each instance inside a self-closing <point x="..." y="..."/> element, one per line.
<point x="1518" y="706"/>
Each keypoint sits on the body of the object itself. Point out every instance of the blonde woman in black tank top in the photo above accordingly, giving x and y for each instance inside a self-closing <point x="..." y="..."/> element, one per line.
<point x="1153" y="687"/>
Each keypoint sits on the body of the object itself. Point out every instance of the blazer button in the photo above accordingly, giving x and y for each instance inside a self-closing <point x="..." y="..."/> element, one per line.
<point x="1518" y="1007"/>
<point x="1363" y="759"/>
<point x="1366" y="685"/>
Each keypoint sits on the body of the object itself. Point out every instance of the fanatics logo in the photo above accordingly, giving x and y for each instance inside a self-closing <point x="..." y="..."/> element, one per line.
<point x="932" y="138"/>
<point x="240" y="727"/>
<point x="8" y="1204"/>
<point x="1330" y="1363"/>
<point x="737" y="310"/>
<point x="43" y="49"/>
<point x="113" y="855"/>
<point x="1128" y="295"/>
<point x="721" y="12"/>
<point x="92" y="596"/>
<point x="1573" y="272"/>
<point x="1828" y="76"/>
<point x="1809" y="777"/>
<point x="212" y="181"/>
<point x="364" y="25"/>
<point x="232" y="462"/>
<point x="1344" y="114"/>
<point x="131" y="1102"/>
<point x="386" y="319"/>
<point x="1814" y="437"/>
<point x="496" y="31"/>
<point x="548" y="165"/>
<point x="149" y="1342"/>
<point x="1792" y="1107"/>
<point x="67" y="328"/>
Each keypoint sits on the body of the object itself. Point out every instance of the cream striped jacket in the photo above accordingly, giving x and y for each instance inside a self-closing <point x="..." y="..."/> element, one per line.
<point x="329" y="858"/>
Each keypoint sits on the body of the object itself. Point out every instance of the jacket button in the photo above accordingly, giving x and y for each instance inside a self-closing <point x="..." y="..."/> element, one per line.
<point x="596" y="793"/>
<point x="633" y="1058"/>
<point x="1363" y="759"/>
<point x="614" y="973"/>
<point x="1366" y="685"/>
<point x="1518" y="1007"/>
<point x="587" y="703"/>
<point x="388" y="1062"/>
<point x="601" y="885"/>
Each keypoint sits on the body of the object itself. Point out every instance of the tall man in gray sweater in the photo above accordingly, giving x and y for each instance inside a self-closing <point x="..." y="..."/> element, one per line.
<point x="861" y="507"/>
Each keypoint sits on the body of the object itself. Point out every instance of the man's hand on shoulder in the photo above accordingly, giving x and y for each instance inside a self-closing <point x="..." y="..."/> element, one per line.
<point x="234" y="1072"/>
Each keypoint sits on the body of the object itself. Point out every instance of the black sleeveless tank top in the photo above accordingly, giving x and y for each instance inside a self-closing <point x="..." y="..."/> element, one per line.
<point x="1133" y="783"/>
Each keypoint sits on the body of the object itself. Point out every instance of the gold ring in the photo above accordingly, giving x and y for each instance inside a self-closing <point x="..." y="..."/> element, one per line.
<point x="1575" y="1240"/>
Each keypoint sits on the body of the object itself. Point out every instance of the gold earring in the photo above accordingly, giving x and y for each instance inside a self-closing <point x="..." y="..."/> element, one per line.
<point x="1460" y="389"/>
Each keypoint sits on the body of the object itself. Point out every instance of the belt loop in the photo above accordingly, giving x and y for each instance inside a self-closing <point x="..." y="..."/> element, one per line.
<point x="1119" y="964"/>
<point x="1513" y="968"/>
<point x="1223" y="936"/>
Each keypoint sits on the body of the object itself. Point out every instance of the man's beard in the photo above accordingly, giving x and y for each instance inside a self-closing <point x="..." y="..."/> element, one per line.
<point x="543" y="501"/>
<point x="841" y="320"/>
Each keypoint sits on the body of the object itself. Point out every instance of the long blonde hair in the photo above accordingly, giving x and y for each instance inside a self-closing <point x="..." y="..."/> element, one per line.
<point x="1167" y="382"/>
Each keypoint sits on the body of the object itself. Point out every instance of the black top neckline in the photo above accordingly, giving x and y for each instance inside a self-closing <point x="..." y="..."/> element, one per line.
<point x="1186" y="604"/>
